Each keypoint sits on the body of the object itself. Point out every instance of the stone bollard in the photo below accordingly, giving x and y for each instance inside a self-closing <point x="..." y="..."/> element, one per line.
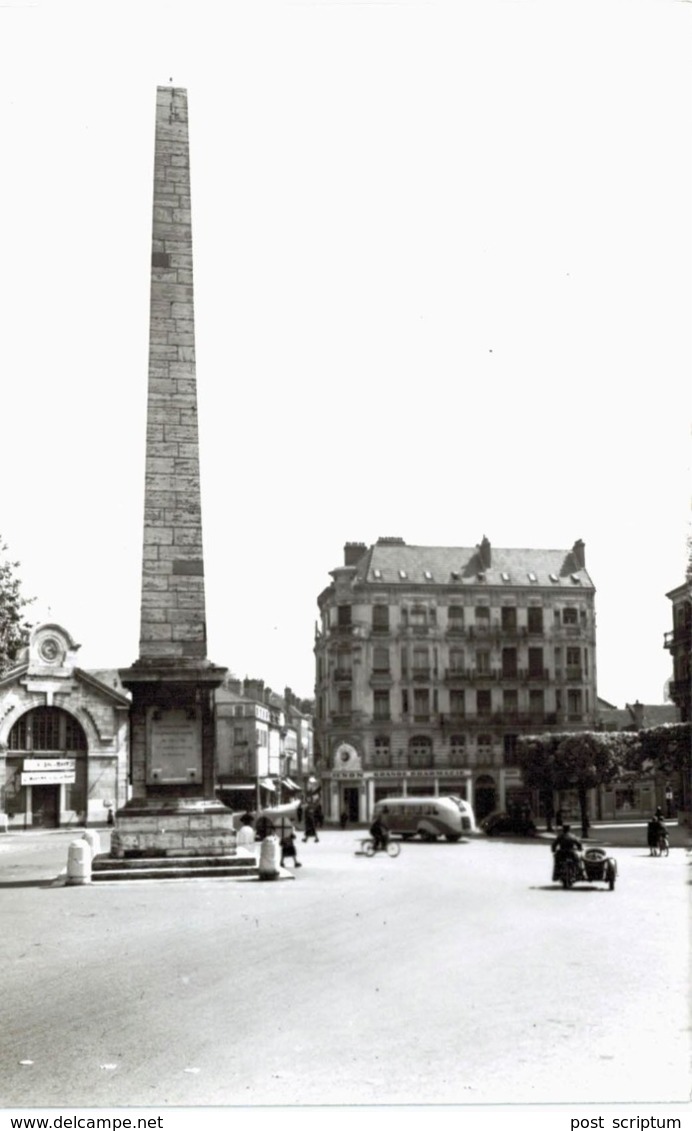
<point x="92" y="839"/>
<point x="4" y="822"/>
<point x="270" y="855"/>
<point x="79" y="863"/>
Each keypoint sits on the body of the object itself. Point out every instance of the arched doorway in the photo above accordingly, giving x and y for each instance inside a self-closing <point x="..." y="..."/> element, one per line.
<point x="47" y="767"/>
<point x="485" y="794"/>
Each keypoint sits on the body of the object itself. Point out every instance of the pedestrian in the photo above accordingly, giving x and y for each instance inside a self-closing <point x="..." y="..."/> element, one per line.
<point x="264" y="826"/>
<point x="245" y="837"/>
<point x="558" y="819"/>
<point x="319" y="816"/>
<point x="343" y="819"/>
<point x="288" y="845"/>
<point x="310" y="825"/>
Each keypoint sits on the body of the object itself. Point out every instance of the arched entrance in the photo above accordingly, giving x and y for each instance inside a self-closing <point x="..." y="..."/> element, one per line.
<point x="47" y="768"/>
<point x="485" y="793"/>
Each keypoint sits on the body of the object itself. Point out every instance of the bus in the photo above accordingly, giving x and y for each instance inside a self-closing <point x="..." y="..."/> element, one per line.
<point x="427" y="817"/>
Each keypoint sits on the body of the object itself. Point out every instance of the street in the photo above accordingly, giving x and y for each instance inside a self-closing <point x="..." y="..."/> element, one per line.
<point x="455" y="974"/>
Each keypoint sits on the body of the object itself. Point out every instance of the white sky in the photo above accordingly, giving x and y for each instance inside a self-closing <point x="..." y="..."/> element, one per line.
<point x="443" y="286"/>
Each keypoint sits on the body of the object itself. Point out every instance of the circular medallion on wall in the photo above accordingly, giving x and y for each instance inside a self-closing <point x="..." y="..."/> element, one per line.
<point x="50" y="650"/>
<point x="346" y="757"/>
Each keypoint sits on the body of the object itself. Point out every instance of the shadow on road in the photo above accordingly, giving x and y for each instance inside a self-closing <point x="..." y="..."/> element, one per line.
<point x="557" y="887"/>
<point x="55" y="882"/>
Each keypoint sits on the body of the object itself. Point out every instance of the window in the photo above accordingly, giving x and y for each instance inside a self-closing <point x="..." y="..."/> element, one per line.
<point x="535" y="619"/>
<point x="457" y="704"/>
<point x="457" y="749"/>
<point x="485" y="744"/>
<point x="536" y="669"/>
<point x="427" y="575"/>
<point x="404" y="702"/>
<point x="509" y="743"/>
<point x="510" y="702"/>
<point x="421" y="704"/>
<point x="344" y="701"/>
<point x="381" y="705"/>
<point x="509" y="663"/>
<point x="483" y="663"/>
<point x="343" y="665"/>
<point x="377" y="574"/>
<point x="483" y="704"/>
<point x="380" y="618"/>
<point x="509" y="618"/>
<point x="574" y="704"/>
<point x="569" y="616"/>
<point x="573" y="660"/>
<point x="238" y="734"/>
<point x="456" y="659"/>
<point x="420" y="751"/>
<point x="47" y="728"/>
<point x="382" y="751"/>
<point x="402" y="574"/>
<point x="532" y="578"/>
<point x="418" y="615"/>
<point x="483" y="614"/>
<point x="421" y="662"/>
<point x="343" y="613"/>
<point x="455" y="618"/>
<point x="380" y="660"/>
<point x="537" y="704"/>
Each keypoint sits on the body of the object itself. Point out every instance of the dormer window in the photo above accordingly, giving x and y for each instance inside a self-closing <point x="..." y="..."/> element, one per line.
<point x="377" y="574"/>
<point x="576" y="578"/>
<point x="427" y="575"/>
<point x="402" y="574"/>
<point x="532" y="578"/>
<point x="504" y="576"/>
<point x="553" y="577"/>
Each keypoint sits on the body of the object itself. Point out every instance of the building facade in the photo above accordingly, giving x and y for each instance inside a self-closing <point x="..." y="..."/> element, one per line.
<point x="264" y="744"/>
<point x="679" y="643"/>
<point x="432" y="661"/>
<point x="63" y="737"/>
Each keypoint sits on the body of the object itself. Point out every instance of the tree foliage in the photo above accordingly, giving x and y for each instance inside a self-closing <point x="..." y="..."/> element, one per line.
<point x="579" y="760"/>
<point x="14" y="628"/>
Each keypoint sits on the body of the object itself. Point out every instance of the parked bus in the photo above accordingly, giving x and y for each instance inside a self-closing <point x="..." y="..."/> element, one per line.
<point x="427" y="817"/>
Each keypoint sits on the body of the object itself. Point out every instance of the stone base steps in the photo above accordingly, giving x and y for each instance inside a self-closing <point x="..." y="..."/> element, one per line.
<point x="107" y="869"/>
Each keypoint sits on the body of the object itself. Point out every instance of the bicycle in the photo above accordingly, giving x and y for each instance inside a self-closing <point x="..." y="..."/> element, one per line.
<point x="392" y="848"/>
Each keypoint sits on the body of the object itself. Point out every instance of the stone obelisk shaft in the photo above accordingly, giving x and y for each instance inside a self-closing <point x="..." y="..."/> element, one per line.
<point x="173" y="621"/>
<point x="173" y="809"/>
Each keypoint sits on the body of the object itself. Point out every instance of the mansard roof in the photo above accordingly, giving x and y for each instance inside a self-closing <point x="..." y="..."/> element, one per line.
<point x="400" y="564"/>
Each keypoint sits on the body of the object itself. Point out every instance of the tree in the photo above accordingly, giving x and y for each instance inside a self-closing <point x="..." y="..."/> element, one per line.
<point x="580" y="760"/>
<point x="14" y="629"/>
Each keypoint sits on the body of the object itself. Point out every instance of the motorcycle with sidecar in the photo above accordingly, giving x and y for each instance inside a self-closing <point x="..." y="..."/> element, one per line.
<point x="592" y="866"/>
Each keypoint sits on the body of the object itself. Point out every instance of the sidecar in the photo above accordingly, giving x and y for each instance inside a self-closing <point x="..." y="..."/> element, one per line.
<point x="598" y="867"/>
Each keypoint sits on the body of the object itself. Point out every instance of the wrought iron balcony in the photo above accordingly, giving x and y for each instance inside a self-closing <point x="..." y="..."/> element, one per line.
<point x="341" y="675"/>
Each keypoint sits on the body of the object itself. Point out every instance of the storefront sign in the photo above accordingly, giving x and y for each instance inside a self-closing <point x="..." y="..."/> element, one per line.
<point x="48" y="777"/>
<point x="49" y="764"/>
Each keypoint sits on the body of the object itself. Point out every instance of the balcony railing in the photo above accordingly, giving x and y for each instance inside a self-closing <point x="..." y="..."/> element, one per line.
<point x="573" y="671"/>
<point x="422" y="675"/>
<point x="678" y="637"/>
<point x="341" y="675"/>
<point x="454" y="675"/>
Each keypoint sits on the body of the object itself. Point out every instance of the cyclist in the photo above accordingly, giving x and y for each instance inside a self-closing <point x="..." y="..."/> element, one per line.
<point x="379" y="831"/>
<point x="656" y="831"/>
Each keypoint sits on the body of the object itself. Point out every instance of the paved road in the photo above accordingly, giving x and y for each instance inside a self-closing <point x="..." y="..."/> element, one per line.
<point x="454" y="974"/>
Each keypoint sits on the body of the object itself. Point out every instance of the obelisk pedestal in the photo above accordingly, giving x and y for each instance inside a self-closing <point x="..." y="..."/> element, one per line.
<point x="173" y="810"/>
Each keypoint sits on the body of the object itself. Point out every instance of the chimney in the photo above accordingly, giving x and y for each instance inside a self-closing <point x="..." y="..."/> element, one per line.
<point x="485" y="553"/>
<point x="579" y="551"/>
<point x="353" y="552"/>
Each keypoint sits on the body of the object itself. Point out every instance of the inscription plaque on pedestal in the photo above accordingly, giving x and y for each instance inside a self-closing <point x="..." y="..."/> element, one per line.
<point x="174" y="743"/>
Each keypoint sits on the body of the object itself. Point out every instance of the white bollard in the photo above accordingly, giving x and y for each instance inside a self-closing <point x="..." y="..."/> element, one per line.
<point x="79" y="863"/>
<point x="4" y="823"/>
<point x="92" y="839"/>
<point x="270" y="855"/>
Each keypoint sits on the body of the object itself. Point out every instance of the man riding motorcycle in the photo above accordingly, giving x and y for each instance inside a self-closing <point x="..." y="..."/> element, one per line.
<point x="564" y="847"/>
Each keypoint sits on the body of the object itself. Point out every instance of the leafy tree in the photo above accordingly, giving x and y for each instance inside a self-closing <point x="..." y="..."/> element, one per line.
<point x="14" y="629"/>
<point x="579" y="760"/>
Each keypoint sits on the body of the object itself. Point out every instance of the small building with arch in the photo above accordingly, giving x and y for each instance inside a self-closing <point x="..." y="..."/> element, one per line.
<point x="63" y="737"/>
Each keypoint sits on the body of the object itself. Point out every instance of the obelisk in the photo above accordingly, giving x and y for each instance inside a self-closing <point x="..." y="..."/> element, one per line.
<point x="173" y="809"/>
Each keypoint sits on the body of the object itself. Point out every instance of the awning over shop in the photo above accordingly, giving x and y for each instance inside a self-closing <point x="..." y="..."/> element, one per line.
<point x="291" y="784"/>
<point x="267" y="783"/>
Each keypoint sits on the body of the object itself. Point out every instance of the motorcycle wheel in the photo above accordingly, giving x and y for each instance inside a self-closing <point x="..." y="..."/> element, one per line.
<point x="393" y="848"/>
<point x="369" y="847"/>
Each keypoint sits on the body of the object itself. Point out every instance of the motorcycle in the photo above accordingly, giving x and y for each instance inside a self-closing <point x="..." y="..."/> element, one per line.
<point x="595" y="865"/>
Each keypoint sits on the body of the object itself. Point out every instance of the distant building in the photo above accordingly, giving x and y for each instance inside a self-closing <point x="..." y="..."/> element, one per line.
<point x="679" y="643"/>
<point x="432" y="661"/>
<point x="63" y="737"/>
<point x="636" y="797"/>
<point x="264" y="744"/>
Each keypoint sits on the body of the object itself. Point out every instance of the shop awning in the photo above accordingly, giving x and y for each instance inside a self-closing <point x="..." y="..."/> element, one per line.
<point x="231" y="785"/>
<point x="267" y="783"/>
<point x="291" y="784"/>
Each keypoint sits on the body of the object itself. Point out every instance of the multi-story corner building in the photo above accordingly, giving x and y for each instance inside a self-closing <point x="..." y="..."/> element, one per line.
<point x="679" y="643"/>
<point x="263" y="743"/>
<point x="432" y="661"/>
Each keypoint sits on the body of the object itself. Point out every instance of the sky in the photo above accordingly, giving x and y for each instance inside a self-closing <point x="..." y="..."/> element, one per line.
<point x="443" y="287"/>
